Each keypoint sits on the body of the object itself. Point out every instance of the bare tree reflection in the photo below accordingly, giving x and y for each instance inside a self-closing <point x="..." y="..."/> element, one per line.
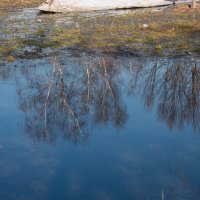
<point x="102" y="93"/>
<point x="179" y="95"/>
<point x="49" y="104"/>
<point x="67" y="95"/>
<point x="65" y="99"/>
<point x="174" y="85"/>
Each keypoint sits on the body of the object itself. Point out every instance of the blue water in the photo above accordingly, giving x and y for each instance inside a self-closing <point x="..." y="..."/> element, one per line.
<point x="135" y="136"/>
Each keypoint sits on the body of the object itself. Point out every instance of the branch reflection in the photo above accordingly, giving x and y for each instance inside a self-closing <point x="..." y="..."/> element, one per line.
<point x="66" y="99"/>
<point x="67" y="95"/>
<point x="175" y="86"/>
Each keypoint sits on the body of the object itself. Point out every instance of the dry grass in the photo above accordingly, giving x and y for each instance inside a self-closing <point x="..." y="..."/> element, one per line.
<point x="170" y="32"/>
<point x="165" y="32"/>
<point x="12" y="4"/>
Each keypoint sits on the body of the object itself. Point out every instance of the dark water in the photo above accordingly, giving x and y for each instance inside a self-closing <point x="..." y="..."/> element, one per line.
<point x="96" y="126"/>
<point x="100" y="127"/>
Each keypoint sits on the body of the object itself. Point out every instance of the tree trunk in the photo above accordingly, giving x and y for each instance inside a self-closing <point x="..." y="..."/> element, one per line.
<point x="193" y="3"/>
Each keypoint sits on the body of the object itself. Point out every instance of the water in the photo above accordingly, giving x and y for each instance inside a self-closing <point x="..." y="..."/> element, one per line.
<point x="99" y="126"/>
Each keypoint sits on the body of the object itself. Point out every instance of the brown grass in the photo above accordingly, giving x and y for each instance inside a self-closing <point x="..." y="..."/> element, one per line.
<point x="12" y="4"/>
<point x="169" y="32"/>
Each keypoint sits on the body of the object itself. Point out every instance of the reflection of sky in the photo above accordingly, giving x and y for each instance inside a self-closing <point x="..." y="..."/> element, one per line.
<point x="135" y="161"/>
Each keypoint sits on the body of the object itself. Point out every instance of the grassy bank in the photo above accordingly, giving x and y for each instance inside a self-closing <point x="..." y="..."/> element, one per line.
<point x="166" y="32"/>
<point x="169" y="32"/>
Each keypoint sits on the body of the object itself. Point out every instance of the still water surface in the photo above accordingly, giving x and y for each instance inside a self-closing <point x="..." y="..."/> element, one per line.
<point x="100" y="127"/>
<point x="96" y="126"/>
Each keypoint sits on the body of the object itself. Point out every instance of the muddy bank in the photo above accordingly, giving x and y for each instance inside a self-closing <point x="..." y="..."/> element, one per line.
<point x="168" y="32"/>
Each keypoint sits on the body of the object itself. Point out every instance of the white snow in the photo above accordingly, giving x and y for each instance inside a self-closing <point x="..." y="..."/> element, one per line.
<point x="92" y="5"/>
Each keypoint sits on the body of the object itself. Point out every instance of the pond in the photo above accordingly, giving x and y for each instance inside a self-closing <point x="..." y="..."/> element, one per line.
<point x="82" y="125"/>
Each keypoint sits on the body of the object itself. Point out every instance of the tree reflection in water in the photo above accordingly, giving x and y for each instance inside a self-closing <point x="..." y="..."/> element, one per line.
<point x="175" y="85"/>
<point x="67" y="98"/>
<point x="72" y="93"/>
